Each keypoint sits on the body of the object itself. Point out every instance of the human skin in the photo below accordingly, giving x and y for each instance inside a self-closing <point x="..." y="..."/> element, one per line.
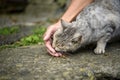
<point x="75" y="7"/>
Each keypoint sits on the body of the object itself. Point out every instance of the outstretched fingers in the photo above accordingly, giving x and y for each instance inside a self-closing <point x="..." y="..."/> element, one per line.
<point x="51" y="50"/>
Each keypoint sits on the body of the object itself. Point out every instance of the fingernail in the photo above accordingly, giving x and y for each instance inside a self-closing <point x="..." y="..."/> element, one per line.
<point x="56" y="55"/>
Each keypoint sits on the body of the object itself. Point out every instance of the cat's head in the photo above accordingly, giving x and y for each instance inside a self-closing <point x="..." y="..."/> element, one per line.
<point x="66" y="38"/>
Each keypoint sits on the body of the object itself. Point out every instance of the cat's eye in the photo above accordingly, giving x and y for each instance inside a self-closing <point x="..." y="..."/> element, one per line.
<point x="76" y="40"/>
<point x="73" y="41"/>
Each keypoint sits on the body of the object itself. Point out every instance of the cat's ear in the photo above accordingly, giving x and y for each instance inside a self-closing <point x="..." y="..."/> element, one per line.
<point x="65" y="24"/>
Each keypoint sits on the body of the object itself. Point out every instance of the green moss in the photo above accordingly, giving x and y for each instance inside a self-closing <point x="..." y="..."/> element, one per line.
<point x="9" y="30"/>
<point x="35" y="38"/>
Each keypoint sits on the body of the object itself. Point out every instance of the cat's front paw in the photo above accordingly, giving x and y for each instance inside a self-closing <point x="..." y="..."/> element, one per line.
<point x="99" y="50"/>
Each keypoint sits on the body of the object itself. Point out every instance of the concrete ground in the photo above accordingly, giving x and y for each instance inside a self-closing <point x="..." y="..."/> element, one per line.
<point x="34" y="63"/>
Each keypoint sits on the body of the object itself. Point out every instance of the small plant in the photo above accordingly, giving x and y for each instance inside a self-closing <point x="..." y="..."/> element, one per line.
<point x="35" y="38"/>
<point x="9" y="30"/>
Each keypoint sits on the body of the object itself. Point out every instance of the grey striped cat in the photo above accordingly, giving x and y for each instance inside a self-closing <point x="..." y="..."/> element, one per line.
<point x="99" y="22"/>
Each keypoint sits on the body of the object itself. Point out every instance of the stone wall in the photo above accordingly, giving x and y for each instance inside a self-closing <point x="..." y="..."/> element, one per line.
<point x="46" y="7"/>
<point x="42" y="7"/>
<point x="12" y="5"/>
<point x="32" y="10"/>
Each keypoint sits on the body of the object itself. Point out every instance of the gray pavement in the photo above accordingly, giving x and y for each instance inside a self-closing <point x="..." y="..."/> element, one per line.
<point x="34" y="63"/>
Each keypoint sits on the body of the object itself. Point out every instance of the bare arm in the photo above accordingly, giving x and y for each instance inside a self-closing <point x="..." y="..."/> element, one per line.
<point x="75" y="7"/>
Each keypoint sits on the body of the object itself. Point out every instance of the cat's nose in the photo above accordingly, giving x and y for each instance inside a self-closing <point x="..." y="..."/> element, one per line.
<point x="58" y="50"/>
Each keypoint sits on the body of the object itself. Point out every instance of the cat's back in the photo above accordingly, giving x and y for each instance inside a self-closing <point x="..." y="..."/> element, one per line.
<point x="101" y="12"/>
<point x="110" y="4"/>
<point x="101" y="6"/>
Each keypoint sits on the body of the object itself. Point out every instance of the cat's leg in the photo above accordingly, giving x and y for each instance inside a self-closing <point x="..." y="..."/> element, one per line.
<point x="101" y="44"/>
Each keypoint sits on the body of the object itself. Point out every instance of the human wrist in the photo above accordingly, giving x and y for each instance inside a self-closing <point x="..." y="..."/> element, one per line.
<point x="58" y="24"/>
<point x="66" y="18"/>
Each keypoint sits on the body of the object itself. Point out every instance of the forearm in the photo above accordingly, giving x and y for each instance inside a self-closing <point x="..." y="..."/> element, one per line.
<point x="75" y="7"/>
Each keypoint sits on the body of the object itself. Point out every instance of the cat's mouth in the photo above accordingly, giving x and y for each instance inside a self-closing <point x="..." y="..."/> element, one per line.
<point x="64" y="52"/>
<point x="61" y="51"/>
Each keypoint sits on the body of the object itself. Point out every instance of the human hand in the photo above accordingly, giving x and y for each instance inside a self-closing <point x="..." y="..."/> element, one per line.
<point x="48" y="41"/>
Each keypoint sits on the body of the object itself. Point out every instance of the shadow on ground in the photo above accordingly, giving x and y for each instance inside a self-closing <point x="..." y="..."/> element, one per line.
<point x="34" y="63"/>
